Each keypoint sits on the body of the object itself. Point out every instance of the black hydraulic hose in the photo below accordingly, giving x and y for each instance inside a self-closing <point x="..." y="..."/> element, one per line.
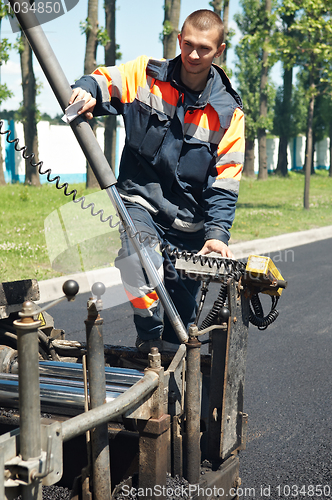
<point x="217" y="305"/>
<point x="211" y="318"/>
<point x="257" y="317"/>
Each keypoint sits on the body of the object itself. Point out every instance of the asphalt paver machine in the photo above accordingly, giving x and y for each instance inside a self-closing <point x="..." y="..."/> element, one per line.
<point x="111" y="422"/>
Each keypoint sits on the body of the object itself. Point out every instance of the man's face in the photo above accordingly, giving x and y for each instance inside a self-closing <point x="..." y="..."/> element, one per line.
<point x="198" y="49"/>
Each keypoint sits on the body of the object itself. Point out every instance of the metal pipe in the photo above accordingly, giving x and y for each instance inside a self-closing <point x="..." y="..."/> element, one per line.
<point x="92" y="151"/>
<point x="81" y="423"/>
<point x="113" y="374"/>
<point x="59" y="399"/>
<point x="193" y="406"/>
<point x="61" y="383"/>
<point x="97" y="391"/>
<point x="149" y="267"/>
<point x="29" y="401"/>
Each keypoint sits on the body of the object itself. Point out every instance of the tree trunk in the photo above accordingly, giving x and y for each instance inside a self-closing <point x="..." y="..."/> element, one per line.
<point x="262" y="156"/>
<point x="309" y="148"/>
<point x="312" y="170"/>
<point x="91" y="38"/>
<point x="89" y="66"/>
<point x="282" y="166"/>
<point x="223" y="56"/>
<point x="110" y="56"/>
<point x="249" y="159"/>
<point x="261" y="132"/>
<point x="218" y="6"/>
<point x="2" y="163"/>
<point x="330" y="169"/>
<point x="171" y="27"/>
<point x="29" y="112"/>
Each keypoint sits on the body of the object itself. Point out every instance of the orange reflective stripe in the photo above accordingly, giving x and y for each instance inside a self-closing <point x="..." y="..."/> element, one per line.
<point x="233" y="140"/>
<point x="229" y="171"/>
<point x="206" y="118"/>
<point x="166" y="92"/>
<point x="133" y="76"/>
<point x="142" y="302"/>
<point x="103" y="72"/>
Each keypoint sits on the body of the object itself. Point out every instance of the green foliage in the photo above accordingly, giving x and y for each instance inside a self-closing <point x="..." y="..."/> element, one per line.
<point x="312" y="31"/>
<point x="118" y="53"/>
<point x="102" y="37"/>
<point x="296" y="122"/>
<point x="18" y="45"/>
<point x="167" y="28"/>
<point x="5" y="93"/>
<point x="285" y="42"/>
<point x="249" y="52"/>
<point x="5" y="48"/>
<point x="256" y="24"/>
<point x="85" y="26"/>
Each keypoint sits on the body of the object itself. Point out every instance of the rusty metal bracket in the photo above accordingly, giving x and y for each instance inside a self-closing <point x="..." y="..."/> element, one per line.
<point x="48" y="467"/>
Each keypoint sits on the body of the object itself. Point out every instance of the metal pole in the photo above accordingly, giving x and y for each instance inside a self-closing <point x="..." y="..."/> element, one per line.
<point x="193" y="406"/>
<point x="29" y="400"/>
<point x="97" y="391"/>
<point x="92" y="150"/>
<point x="149" y="267"/>
<point x="81" y="423"/>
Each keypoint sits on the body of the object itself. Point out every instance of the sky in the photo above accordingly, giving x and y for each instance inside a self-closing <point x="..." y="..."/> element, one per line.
<point x="138" y="25"/>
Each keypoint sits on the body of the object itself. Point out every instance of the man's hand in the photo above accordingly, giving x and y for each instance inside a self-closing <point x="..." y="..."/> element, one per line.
<point x="218" y="247"/>
<point x="89" y="105"/>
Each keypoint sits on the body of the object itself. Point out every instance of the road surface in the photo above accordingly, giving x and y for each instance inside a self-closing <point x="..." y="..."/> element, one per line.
<point x="288" y="379"/>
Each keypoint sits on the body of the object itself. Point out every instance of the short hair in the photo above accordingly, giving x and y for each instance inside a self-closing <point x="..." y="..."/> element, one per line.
<point x="205" y="20"/>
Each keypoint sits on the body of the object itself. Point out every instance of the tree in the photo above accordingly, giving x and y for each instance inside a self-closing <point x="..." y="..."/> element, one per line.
<point x="28" y="111"/>
<point x="110" y="58"/>
<point x="248" y="72"/>
<point x="314" y="32"/>
<point x="218" y="7"/>
<point x="263" y="94"/>
<point x="285" y="48"/>
<point x="94" y="36"/>
<point x="5" y="93"/>
<point x="283" y="109"/>
<point x="249" y="52"/>
<point x="170" y="27"/>
<point x="90" y="28"/>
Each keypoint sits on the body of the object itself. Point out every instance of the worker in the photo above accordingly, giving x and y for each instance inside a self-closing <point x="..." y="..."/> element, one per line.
<point x="180" y="167"/>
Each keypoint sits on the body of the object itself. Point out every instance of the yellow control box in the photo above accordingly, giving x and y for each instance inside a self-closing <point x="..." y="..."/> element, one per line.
<point x="262" y="268"/>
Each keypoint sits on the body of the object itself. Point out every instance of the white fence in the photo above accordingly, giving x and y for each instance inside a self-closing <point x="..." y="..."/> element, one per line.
<point x="60" y="152"/>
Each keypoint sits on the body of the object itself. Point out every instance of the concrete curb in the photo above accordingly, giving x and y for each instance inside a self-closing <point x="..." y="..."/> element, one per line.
<point x="281" y="242"/>
<point x="115" y="294"/>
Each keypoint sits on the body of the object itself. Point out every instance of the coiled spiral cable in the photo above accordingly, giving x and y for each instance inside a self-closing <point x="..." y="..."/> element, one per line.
<point x="256" y="316"/>
<point x="232" y="268"/>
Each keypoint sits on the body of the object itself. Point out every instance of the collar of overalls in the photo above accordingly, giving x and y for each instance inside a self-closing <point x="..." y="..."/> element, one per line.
<point x="218" y="92"/>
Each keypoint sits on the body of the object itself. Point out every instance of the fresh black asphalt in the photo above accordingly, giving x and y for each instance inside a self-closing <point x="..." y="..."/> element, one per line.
<point x="288" y="378"/>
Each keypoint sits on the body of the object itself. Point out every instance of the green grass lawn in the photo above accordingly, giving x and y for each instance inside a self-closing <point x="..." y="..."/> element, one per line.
<point x="275" y="206"/>
<point x="44" y="234"/>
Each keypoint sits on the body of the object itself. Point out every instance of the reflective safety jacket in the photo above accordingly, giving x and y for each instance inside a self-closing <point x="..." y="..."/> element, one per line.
<point x="182" y="163"/>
